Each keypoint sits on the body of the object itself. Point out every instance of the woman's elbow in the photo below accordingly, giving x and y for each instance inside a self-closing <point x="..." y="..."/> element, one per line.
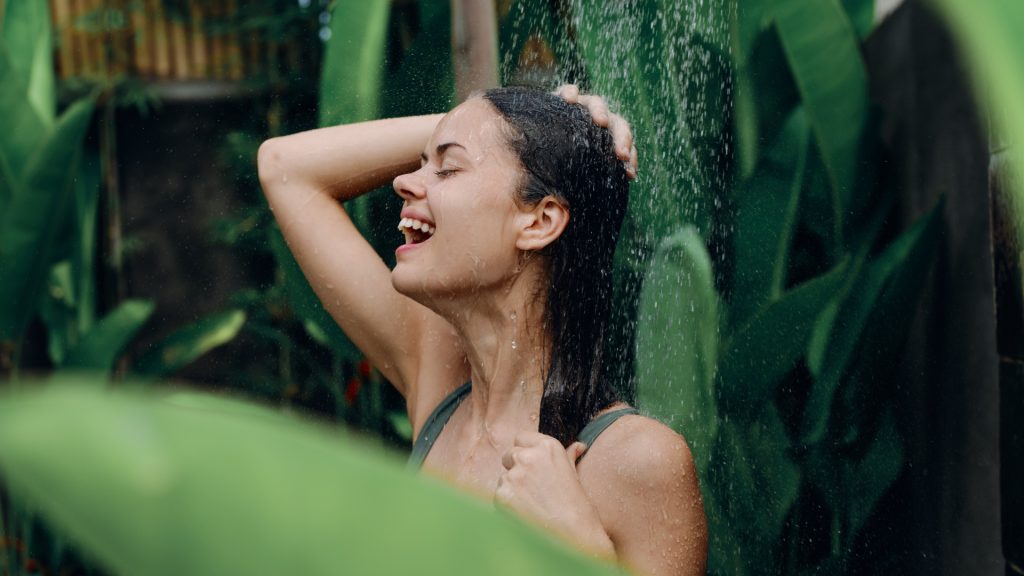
<point x="269" y="163"/>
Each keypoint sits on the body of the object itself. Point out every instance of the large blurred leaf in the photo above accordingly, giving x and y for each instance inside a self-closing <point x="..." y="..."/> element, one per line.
<point x="766" y="218"/>
<point x="27" y="35"/>
<point x="862" y="16"/>
<point x="189" y="343"/>
<point x="306" y="305"/>
<point x="766" y="347"/>
<point x="100" y="347"/>
<point x="990" y="35"/>
<point x="31" y="225"/>
<point x="677" y="342"/>
<point x="193" y="484"/>
<point x="894" y="277"/>
<point x="350" y="82"/>
<point x="824" y="56"/>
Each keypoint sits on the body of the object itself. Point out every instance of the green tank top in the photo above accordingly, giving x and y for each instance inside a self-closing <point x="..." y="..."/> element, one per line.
<point x="439" y="417"/>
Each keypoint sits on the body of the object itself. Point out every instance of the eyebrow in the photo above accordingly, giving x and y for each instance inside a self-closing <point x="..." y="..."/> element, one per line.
<point x="441" y="148"/>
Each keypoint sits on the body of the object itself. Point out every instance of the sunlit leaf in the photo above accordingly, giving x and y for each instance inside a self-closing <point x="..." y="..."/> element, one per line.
<point x="191" y="484"/>
<point x="189" y="343"/>
<point x="677" y="342"/>
<point x="350" y="82"/>
<point x="98" y="348"/>
<point x="31" y="225"/>
<point x="824" y="55"/>
<point x="766" y="347"/>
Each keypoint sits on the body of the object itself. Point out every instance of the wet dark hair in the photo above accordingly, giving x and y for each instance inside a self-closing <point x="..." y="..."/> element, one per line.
<point x="565" y="155"/>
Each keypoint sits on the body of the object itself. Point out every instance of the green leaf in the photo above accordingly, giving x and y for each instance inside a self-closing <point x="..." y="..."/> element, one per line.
<point x="875" y="473"/>
<point x="763" y="350"/>
<point x="194" y="484"/>
<point x="189" y="343"/>
<point x="677" y="342"/>
<point x="100" y="347"/>
<point x="766" y="218"/>
<point x="824" y="55"/>
<point x="895" y="272"/>
<point x="862" y="16"/>
<point x="989" y="34"/>
<point x="57" y="311"/>
<point x="350" y="82"/>
<point x="306" y="305"/>
<point x="754" y="482"/>
<point x="31" y="226"/>
<point x="27" y="35"/>
<point x="23" y="129"/>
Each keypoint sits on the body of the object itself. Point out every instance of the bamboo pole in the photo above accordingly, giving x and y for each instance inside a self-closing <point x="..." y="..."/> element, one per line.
<point x="161" y="40"/>
<point x="142" y="54"/>
<point x="179" y="46"/>
<point x="474" y="46"/>
<point x="217" y="50"/>
<point x="233" y="55"/>
<point x="197" y="40"/>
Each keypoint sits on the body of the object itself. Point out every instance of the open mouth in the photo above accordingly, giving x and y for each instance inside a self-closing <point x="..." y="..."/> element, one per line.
<point x="416" y="231"/>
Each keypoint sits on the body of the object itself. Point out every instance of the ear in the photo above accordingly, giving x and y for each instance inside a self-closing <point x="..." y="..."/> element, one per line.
<point x="542" y="224"/>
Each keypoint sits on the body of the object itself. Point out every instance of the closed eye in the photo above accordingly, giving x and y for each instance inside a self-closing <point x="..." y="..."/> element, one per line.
<point x="445" y="172"/>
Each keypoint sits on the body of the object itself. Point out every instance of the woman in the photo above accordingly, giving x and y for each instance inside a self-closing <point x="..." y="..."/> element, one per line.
<point x="512" y="207"/>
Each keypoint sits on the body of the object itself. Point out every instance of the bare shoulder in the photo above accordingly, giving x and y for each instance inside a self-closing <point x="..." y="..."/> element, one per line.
<point x="638" y="449"/>
<point x="641" y="477"/>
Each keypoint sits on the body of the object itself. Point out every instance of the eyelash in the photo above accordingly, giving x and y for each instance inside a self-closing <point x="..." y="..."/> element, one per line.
<point x="444" y="173"/>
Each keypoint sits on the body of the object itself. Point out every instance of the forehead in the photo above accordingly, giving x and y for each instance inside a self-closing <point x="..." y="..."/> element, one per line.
<point x="474" y="124"/>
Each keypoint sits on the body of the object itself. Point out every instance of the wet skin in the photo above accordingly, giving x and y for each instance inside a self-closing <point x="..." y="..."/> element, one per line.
<point x="464" y="304"/>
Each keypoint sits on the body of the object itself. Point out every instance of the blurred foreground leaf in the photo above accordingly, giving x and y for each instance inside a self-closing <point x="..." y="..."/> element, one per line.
<point x="194" y="484"/>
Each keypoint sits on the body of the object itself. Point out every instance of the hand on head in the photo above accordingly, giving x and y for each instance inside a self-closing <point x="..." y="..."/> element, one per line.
<point x="622" y="134"/>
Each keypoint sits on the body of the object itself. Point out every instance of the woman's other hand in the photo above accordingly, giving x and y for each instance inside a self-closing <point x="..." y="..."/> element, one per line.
<point x="540" y="482"/>
<point x="622" y="134"/>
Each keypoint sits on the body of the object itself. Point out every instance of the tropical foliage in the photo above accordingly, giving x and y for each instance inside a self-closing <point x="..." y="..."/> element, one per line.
<point x="773" y="300"/>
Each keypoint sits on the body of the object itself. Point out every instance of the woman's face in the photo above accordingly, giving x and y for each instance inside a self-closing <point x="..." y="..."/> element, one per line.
<point x="464" y="195"/>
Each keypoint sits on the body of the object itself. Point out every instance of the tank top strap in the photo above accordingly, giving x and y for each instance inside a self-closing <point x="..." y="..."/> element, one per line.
<point x="434" y="424"/>
<point x="598" y="425"/>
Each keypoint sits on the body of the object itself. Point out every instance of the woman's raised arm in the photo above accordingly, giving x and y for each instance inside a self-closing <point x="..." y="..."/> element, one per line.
<point x="305" y="177"/>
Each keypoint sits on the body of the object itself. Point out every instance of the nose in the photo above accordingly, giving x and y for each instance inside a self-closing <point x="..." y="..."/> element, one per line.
<point x="409" y="186"/>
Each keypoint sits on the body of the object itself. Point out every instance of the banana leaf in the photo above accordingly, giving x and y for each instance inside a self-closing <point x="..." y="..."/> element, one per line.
<point x="824" y="55"/>
<point x="102" y="344"/>
<point x="27" y="35"/>
<point x="677" y="342"/>
<point x="352" y="74"/>
<point x="194" y="484"/>
<point x="23" y="129"/>
<point x="31" y="225"/>
<point x="189" y="343"/>
<point x="765" y="348"/>
<point x="894" y="276"/>
<point x="766" y="219"/>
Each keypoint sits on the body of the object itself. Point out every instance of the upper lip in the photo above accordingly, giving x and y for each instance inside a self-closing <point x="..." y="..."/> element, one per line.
<point x="410" y="213"/>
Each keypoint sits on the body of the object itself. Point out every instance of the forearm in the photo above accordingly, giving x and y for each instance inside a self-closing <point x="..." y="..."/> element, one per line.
<point x="345" y="161"/>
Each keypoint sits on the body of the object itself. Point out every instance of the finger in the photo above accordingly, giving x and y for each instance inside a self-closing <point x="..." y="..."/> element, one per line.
<point x="598" y="109"/>
<point x="622" y="135"/>
<point x="574" y="451"/>
<point x="569" y="92"/>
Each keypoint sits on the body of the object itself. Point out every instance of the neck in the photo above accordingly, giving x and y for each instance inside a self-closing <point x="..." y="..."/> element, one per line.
<point x="508" y="353"/>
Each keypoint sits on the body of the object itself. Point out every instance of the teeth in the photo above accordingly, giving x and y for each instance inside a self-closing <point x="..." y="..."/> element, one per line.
<point x="416" y="225"/>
